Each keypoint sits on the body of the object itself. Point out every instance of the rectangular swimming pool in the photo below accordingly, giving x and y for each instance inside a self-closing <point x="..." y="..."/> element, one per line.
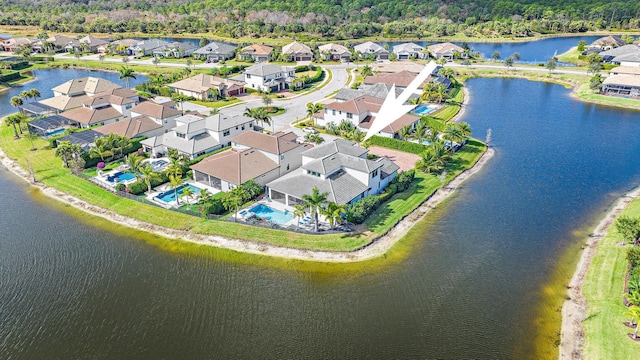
<point x="170" y="195"/>
<point x="120" y="176"/>
<point x="423" y="109"/>
<point x="276" y="216"/>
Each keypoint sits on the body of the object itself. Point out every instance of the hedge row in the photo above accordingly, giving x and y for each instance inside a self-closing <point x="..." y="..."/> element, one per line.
<point x="10" y="76"/>
<point x="400" y="145"/>
<point x="134" y="145"/>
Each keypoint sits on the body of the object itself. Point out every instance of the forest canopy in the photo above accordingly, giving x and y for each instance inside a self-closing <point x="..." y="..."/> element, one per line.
<point x="338" y="19"/>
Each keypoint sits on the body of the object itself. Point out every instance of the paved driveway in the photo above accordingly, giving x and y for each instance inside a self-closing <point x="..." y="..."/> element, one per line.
<point x="406" y="161"/>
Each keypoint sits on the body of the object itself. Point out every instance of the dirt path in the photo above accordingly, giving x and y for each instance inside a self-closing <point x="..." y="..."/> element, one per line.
<point x="574" y="309"/>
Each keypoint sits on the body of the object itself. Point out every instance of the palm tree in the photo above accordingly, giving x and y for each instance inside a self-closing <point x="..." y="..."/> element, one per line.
<point x="420" y="131"/>
<point x="314" y="201"/>
<point x="134" y="162"/>
<point x="35" y="94"/>
<point x="16" y="101"/>
<point x="312" y="109"/>
<point x="174" y="183"/>
<point x="366" y="71"/>
<point x="405" y="132"/>
<point x="299" y="211"/>
<point x="446" y="72"/>
<point x="187" y="192"/>
<point x="634" y="313"/>
<point x="64" y="151"/>
<point x="25" y="95"/>
<point x="148" y="175"/>
<point x="32" y="136"/>
<point x="430" y="162"/>
<point x="12" y="120"/>
<point x="179" y="98"/>
<point x="214" y="111"/>
<point x="102" y="148"/>
<point x="204" y="195"/>
<point x="234" y="199"/>
<point x="126" y="73"/>
<point x="465" y="128"/>
<point x="334" y="212"/>
<point x="453" y="133"/>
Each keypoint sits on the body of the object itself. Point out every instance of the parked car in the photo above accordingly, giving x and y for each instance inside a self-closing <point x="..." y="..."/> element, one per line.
<point x="310" y="130"/>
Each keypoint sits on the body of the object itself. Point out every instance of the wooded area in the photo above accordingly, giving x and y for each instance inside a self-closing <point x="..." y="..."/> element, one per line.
<point x="331" y="19"/>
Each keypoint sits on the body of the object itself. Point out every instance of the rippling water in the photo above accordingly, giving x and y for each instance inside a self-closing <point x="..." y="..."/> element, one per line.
<point x="472" y="281"/>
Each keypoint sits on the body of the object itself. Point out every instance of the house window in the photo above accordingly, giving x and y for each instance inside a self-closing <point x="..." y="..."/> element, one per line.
<point x="248" y="76"/>
<point x="180" y="135"/>
<point x="226" y="132"/>
<point x="326" y="111"/>
<point x="242" y="127"/>
<point x="282" y="157"/>
<point x="333" y="112"/>
<point x="349" y="116"/>
<point x="236" y="128"/>
<point x="374" y="173"/>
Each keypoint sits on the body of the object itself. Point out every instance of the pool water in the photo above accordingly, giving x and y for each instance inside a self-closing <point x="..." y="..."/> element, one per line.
<point x="425" y="109"/>
<point x="169" y="196"/>
<point x="276" y="216"/>
<point x="55" y="132"/>
<point x="120" y="176"/>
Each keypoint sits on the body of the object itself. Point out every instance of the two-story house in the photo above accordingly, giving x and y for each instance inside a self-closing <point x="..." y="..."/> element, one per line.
<point x="269" y="77"/>
<point x="104" y="108"/>
<point x="73" y="93"/>
<point x="361" y="112"/>
<point x="194" y="136"/>
<point x="340" y="168"/>
<point x="408" y="51"/>
<point x="253" y="156"/>
<point x="372" y="49"/>
<point x="163" y="114"/>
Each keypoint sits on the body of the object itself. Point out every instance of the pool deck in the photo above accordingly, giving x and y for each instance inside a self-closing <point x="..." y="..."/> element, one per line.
<point x="155" y="192"/>
<point x="296" y="223"/>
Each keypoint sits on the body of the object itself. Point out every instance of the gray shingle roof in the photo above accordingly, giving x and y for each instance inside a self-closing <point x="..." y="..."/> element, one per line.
<point x="215" y="47"/>
<point x="622" y="50"/>
<point x="264" y="69"/>
<point x="338" y="145"/>
<point x="332" y="162"/>
<point x="370" y="48"/>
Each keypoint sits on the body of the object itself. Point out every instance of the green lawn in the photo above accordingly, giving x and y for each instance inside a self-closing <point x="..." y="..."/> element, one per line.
<point x="583" y="92"/>
<point x="572" y="56"/>
<point x="218" y="103"/>
<point x="605" y="335"/>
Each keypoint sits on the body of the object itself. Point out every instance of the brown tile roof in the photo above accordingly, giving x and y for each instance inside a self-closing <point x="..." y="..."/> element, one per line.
<point x="609" y="40"/>
<point x="359" y="105"/>
<point x="401" y="79"/>
<point x="257" y="49"/>
<point x="89" y="117"/>
<point x="65" y="102"/>
<point x="203" y="82"/>
<point x="91" y="85"/>
<point x="394" y="127"/>
<point x="295" y="48"/>
<point x="625" y="70"/>
<point x="106" y="98"/>
<point x="277" y="143"/>
<point x="444" y="48"/>
<point x="129" y="127"/>
<point x="158" y="111"/>
<point x="236" y="167"/>
<point x="396" y="66"/>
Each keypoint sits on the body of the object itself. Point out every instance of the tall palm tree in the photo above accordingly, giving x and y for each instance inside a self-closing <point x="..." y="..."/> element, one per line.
<point x="366" y="71"/>
<point x="312" y="109"/>
<point x="134" y="161"/>
<point x="429" y="162"/>
<point x="101" y="149"/>
<point x="64" y="151"/>
<point x="25" y="95"/>
<point x="453" y="133"/>
<point x="187" y="192"/>
<point x="35" y="94"/>
<point x="12" y="120"/>
<point x="465" y="128"/>
<point x="334" y="212"/>
<point x="204" y="195"/>
<point x="174" y="183"/>
<point x="420" y="131"/>
<point x="127" y="73"/>
<point x="405" y="132"/>
<point x="299" y="211"/>
<point x="315" y="201"/>
<point x="234" y="199"/>
<point x="148" y="175"/>
<point x="16" y="101"/>
<point x="180" y="99"/>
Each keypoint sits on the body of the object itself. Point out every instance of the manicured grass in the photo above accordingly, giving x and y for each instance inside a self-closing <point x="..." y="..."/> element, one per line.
<point x="388" y="214"/>
<point x="583" y="92"/>
<point x="605" y="335"/>
<point x="572" y="56"/>
<point x="217" y="103"/>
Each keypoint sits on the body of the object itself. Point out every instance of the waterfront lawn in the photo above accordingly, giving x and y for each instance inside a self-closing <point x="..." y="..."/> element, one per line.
<point x="585" y="93"/>
<point x="218" y="103"/>
<point x="605" y="335"/>
<point x="423" y="186"/>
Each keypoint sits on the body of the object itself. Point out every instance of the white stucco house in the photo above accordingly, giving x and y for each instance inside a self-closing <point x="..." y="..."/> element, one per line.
<point x="269" y="77"/>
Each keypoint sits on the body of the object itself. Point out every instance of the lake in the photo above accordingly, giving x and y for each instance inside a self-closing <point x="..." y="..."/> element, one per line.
<point x="481" y="277"/>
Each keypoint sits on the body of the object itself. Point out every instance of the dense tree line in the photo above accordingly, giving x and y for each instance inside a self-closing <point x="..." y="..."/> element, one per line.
<point x="338" y="19"/>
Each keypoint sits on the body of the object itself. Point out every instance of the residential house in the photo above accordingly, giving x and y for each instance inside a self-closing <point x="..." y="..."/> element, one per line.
<point x="632" y="60"/>
<point x="73" y="93"/>
<point x="625" y="70"/>
<point x="401" y="79"/>
<point x="85" y="139"/>
<point x="130" y="128"/>
<point x="60" y="43"/>
<point x="297" y="51"/>
<point x="339" y="168"/>
<point x="379" y="91"/>
<point x="622" y="85"/>
<point x="256" y="52"/>
<point x="16" y="44"/>
<point x="372" y="49"/>
<point x="269" y="77"/>
<point x="618" y="53"/>
<point x="94" y="44"/>
<point x="408" y="51"/>
<point x="194" y="136"/>
<point x="395" y="67"/>
<point x="175" y="49"/>
<point x="104" y="108"/>
<point x="121" y="46"/>
<point x="146" y="47"/>
<point x="361" y="112"/>
<point x="215" y="51"/>
<point x="607" y="43"/>
<point x="253" y="156"/>
<point x="446" y="51"/>
<point x="205" y="87"/>
<point x="163" y="114"/>
<point x="334" y="52"/>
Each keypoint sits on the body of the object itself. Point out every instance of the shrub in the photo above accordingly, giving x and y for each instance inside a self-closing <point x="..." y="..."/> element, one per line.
<point x="213" y="207"/>
<point x="404" y="179"/>
<point x="401" y="145"/>
<point x="633" y="256"/>
<point x="140" y="187"/>
<point x="121" y="187"/>
<point x="359" y="211"/>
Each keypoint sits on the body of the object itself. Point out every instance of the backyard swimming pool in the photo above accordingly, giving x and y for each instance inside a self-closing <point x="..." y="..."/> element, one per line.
<point x="170" y="195"/>
<point x="120" y="177"/>
<point x="424" y="109"/>
<point x="271" y="214"/>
